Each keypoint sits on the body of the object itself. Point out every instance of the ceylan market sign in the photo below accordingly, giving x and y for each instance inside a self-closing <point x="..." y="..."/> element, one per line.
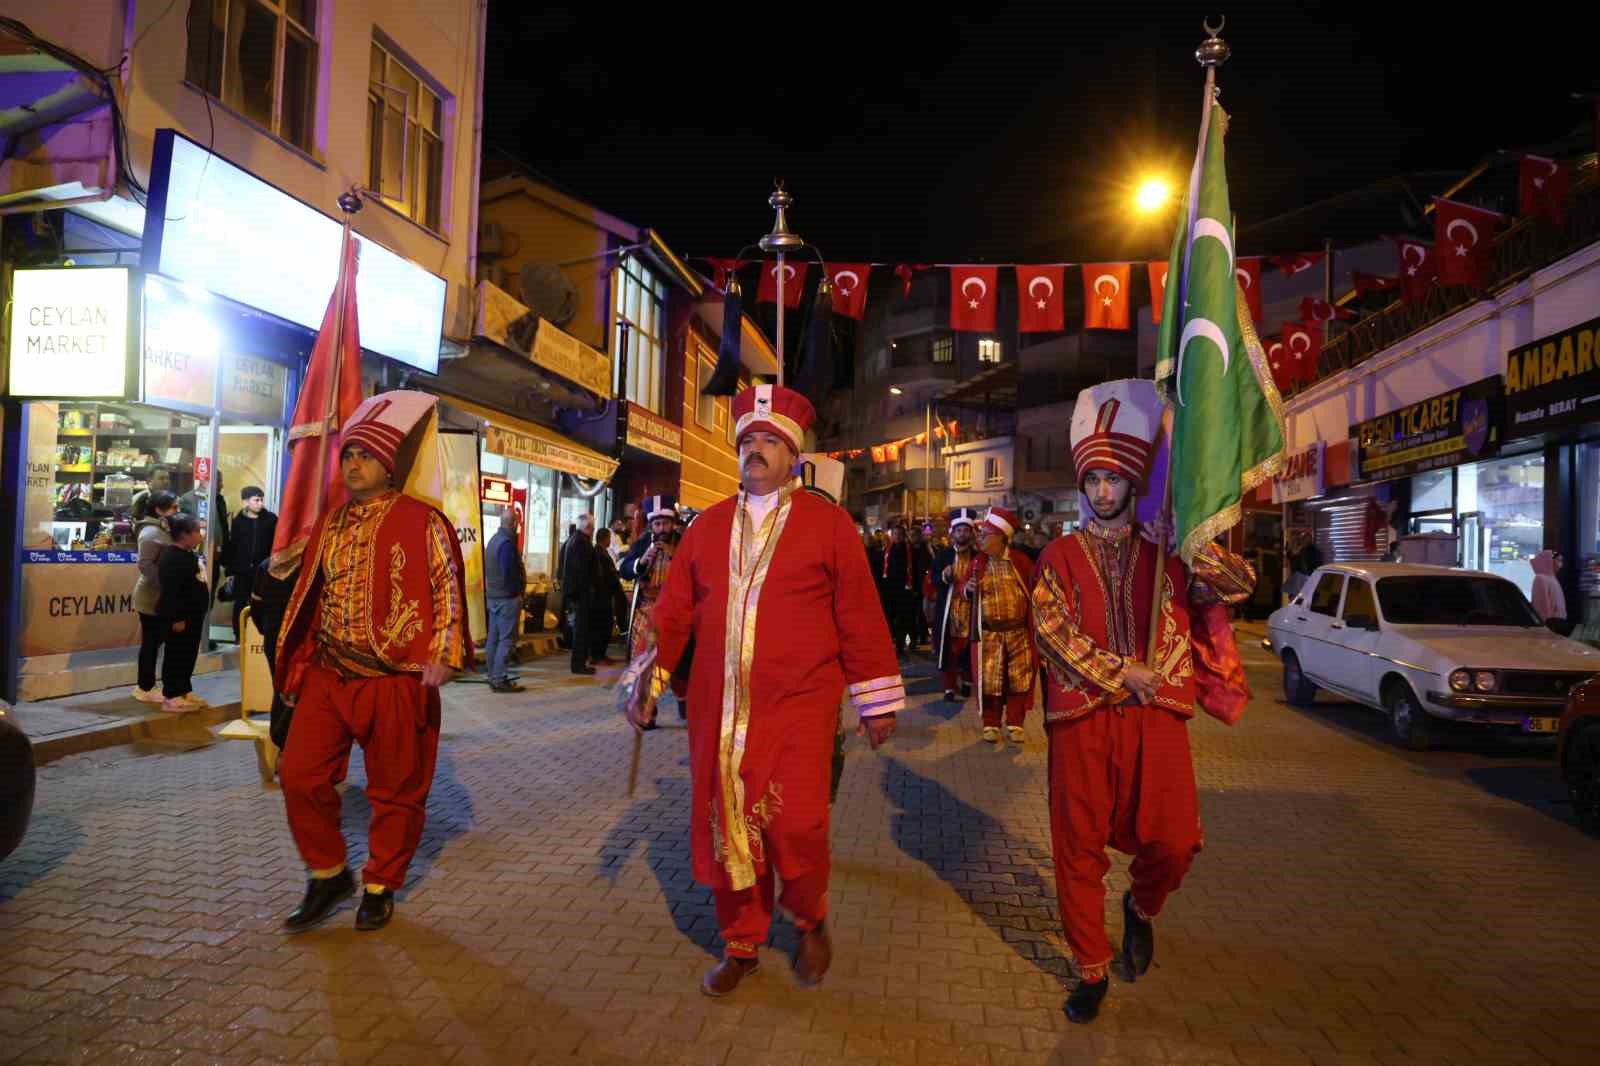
<point x="1458" y="426"/>
<point x="218" y="226"/>
<point x="1301" y="477"/>
<point x="72" y="334"/>
<point x="1554" y="383"/>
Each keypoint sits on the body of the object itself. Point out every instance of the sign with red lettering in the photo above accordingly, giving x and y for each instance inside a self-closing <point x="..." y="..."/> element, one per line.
<point x="1301" y="477"/>
<point x="496" y="490"/>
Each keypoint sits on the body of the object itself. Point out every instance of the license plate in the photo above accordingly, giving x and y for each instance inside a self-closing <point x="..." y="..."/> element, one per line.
<point x="1541" y="725"/>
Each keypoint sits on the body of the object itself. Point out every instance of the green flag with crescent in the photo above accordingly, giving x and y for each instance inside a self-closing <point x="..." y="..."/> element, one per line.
<point x="1227" y="416"/>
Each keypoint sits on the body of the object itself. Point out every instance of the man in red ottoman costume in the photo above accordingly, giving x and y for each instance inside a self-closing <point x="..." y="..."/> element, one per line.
<point x="1120" y="770"/>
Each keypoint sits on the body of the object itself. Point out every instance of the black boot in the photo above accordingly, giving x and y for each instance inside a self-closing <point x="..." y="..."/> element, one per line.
<point x="375" y="911"/>
<point x="323" y="894"/>
<point x="1084" y="1003"/>
<point x="1138" y="940"/>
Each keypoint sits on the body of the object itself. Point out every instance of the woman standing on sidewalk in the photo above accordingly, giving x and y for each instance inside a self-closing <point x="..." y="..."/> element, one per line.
<point x="153" y="536"/>
<point x="182" y="606"/>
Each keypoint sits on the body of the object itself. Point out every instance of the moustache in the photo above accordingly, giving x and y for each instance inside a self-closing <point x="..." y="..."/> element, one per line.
<point x="754" y="460"/>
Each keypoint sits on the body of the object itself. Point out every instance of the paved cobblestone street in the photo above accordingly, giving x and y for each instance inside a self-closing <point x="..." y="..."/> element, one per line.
<point x="1355" y="903"/>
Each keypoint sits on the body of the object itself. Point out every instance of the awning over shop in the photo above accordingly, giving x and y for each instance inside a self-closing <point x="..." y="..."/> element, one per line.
<point x="517" y="438"/>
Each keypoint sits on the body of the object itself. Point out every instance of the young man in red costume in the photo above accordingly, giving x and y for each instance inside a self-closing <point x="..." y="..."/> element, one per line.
<point x="774" y="589"/>
<point x="1003" y="663"/>
<point x="376" y="624"/>
<point x="953" y="617"/>
<point x="1120" y="770"/>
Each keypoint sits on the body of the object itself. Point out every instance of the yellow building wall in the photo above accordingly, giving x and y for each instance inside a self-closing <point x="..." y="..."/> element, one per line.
<point x="710" y="470"/>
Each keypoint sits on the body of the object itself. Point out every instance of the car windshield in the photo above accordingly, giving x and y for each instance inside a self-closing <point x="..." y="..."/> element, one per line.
<point x="1445" y="600"/>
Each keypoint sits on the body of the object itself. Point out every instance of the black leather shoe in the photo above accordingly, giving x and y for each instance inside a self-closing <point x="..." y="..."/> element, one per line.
<point x="583" y="670"/>
<point x="375" y="911"/>
<point x="323" y="894"/>
<point x="727" y="974"/>
<point x="949" y="695"/>
<point x="1084" y="1004"/>
<point x="1138" y="940"/>
<point x="683" y="711"/>
<point x="506" y="686"/>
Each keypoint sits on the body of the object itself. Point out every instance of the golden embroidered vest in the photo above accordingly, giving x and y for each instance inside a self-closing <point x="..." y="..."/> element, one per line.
<point x="1113" y="610"/>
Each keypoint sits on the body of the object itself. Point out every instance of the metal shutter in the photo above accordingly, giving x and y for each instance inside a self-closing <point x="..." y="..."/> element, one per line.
<point x="1342" y="533"/>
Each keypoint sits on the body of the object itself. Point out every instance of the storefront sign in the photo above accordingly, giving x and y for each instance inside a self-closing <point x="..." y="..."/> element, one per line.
<point x="70" y="334"/>
<point x="506" y="322"/>
<point x="1458" y="426"/>
<point x="458" y="459"/>
<point x="1554" y="383"/>
<point x="649" y="432"/>
<point x="80" y="607"/>
<point x="220" y="227"/>
<point x="495" y="490"/>
<point x="254" y="387"/>
<point x="548" y="449"/>
<point x="1301" y="477"/>
<point x="181" y="345"/>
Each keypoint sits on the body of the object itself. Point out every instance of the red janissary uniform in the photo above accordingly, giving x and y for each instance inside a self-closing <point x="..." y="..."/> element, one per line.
<point x="1003" y="664"/>
<point x="785" y="618"/>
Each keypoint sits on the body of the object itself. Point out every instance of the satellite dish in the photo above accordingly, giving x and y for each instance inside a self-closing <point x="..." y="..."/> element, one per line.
<point x="548" y="293"/>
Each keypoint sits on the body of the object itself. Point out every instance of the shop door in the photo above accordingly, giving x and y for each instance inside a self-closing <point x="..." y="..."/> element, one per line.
<point x="1474" y="540"/>
<point x="246" y="456"/>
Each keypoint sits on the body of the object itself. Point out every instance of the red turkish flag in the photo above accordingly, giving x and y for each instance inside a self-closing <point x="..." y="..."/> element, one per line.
<point x="1294" y="264"/>
<point x="1463" y="240"/>
<point x="1158" y="289"/>
<point x="973" y="298"/>
<point x="905" y="272"/>
<point x="1041" y="307"/>
<point x="794" y="283"/>
<point x="1303" y="344"/>
<point x="1544" y="188"/>
<point x="1278" y="362"/>
<point x="1419" y="269"/>
<point x="1248" y="271"/>
<point x="849" y="282"/>
<point x="720" y="269"/>
<point x="1315" y="310"/>
<point x="1366" y="283"/>
<point x="1105" y="295"/>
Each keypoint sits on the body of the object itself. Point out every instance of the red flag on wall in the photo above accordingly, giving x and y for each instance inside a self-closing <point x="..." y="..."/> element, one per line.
<point x="1158" y="288"/>
<point x="794" y="283"/>
<point x="1294" y="264"/>
<point x="849" y="282"/>
<point x="972" y="298"/>
<point x="1315" y="310"/>
<point x="1105" y="295"/>
<point x="1463" y="239"/>
<point x="1248" y="271"/>
<point x="1303" y="344"/>
<point x="1278" y="363"/>
<point x="1419" y="269"/>
<point x="1544" y="188"/>
<point x="1366" y="283"/>
<point x="1040" y="307"/>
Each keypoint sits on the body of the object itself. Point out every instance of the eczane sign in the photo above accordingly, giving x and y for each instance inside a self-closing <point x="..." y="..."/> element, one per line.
<point x="70" y="336"/>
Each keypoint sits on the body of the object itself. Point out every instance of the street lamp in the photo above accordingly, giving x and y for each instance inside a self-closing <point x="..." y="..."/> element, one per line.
<point x="1153" y="195"/>
<point x="895" y="390"/>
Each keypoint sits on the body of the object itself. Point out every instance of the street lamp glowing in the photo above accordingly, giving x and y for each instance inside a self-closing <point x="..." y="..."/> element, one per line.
<point x="1152" y="196"/>
<point x="894" y="390"/>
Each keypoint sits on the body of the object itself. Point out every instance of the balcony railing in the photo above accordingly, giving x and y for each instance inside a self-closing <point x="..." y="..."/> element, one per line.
<point x="1527" y="245"/>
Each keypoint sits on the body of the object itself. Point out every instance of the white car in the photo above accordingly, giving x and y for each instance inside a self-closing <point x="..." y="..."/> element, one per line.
<point x="1426" y="642"/>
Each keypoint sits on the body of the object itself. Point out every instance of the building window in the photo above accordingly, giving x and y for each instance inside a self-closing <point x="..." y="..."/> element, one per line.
<point x="993" y="473"/>
<point x="405" y="150"/>
<point x="259" y="57"/>
<point x="944" y="349"/>
<point x="961" y="473"/>
<point x="705" y="407"/>
<point x="640" y="300"/>
<point x="988" y="350"/>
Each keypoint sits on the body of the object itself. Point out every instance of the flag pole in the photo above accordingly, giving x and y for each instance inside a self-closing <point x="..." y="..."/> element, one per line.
<point x="780" y="240"/>
<point x="1212" y="53"/>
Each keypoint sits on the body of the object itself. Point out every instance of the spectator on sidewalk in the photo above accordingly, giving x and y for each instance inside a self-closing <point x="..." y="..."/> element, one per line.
<point x="577" y="579"/>
<point x="153" y="536"/>
<point x="249" y="544"/>
<point x="505" y="578"/>
<point x="184" y="600"/>
<point x="606" y="600"/>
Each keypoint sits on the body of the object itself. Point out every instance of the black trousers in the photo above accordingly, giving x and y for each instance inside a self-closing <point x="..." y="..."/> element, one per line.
<point x="581" y="638"/>
<point x="242" y="584"/>
<point x="601" y="622"/>
<point x="152" y="633"/>
<point x="177" y="669"/>
<point x="907" y="614"/>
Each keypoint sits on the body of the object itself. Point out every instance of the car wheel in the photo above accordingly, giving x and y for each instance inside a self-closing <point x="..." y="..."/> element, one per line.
<point x="1412" y="726"/>
<point x="1581" y="768"/>
<point x="1297" y="691"/>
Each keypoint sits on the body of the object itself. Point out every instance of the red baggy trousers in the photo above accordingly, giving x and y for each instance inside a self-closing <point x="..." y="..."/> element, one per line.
<point x="1014" y="705"/>
<point x="1121" y="776"/>
<point x="396" y="721"/>
<point x="958" y="663"/>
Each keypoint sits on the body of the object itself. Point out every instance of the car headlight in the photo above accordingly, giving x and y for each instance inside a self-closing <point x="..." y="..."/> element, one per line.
<point x="1485" y="680"/>
<point x="1461" y="680"/>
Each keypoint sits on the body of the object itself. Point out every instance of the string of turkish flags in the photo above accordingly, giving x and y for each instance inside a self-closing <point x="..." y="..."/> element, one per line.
<point x="889" y="451"/>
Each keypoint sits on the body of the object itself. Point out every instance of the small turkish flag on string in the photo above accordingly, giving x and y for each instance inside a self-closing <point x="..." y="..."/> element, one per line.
<point x="1158" y="289"/>
<point x="1315" y="310"/>
<point x="905" y="272"/>
<point x="794" y="284"/>
<point x="1303" y="344"/>
<point x="1419" y="269"/>
<point x="1366" y="283"/>
<point x="1248" y="271"/>
<point x="972" y="298"/>
<point x="1040" y="308"/>
<point x="1294" y="264"/>
<point x="891" y="452"/>
<point x="1463" y="239"/>
<point x="879" y="453"/>
<point x="849" y="282"/>
<point x="1278" y="362"/>
<point x="720" y="269"/>
<point x="1105" y="295"/>
<point x="1544" y="189"/>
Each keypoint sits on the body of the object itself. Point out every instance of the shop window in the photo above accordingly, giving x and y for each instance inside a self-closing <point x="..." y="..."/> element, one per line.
<point x="989" y="350"/>
<point x="1433" y="491"/>
<point x="1325" y="600"/>
<point x="1500" y="516"/>
<point x="961" y="474"/>
<point x="405" y="145"/>
<point x="259" y="57"/>
<point x="1587" y="610"/>
<point x="639" y="302"/>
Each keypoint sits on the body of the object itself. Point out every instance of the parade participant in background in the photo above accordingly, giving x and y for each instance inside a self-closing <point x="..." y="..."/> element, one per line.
<point x="921" y="563"/>
<point x="577" y="585"/>
<point x="647" y="564"/>
<point x="952" y="617"/>
<point x="998" y="585"/>
<point x="607" y="604"/>
<point x="900" y="582"/>
<point x="774" y="590"/>
<point x="505" y="581"/>
<point x="249" y="545"/>
<point x="376" y="624"/>
<point x="1120" y="769"/>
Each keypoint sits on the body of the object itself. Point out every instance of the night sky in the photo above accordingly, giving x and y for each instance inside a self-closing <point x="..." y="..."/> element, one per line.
<point x="1013" y="132"/>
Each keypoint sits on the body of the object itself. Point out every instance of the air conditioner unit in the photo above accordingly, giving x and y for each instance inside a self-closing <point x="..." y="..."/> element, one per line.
<point x="491" y="240"/>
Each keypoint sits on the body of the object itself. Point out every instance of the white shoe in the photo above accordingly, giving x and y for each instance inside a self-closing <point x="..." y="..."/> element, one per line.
<point x="178" y="705"/>
<point x="1015" y="733"/>
<point x="991" y="734"/>
<point x="147" y="695"/>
